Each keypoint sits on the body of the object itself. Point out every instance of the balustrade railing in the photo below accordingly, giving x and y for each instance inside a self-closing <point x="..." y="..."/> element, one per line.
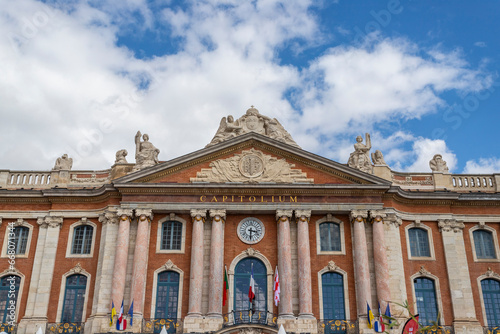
<point x="474" y="182"/>
<point x="155" y="325"/>
<point x="439" y="330"/>
<point x="28" y="179"/>
<point x="337" y="326"/>
<point x="7" y="328"/>
<point x="235" y="318"/>
<point x="65" y="327"/>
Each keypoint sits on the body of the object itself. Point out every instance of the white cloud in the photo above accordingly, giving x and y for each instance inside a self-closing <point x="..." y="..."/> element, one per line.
<point x="484" y="166"/>
<point x="480" y="44"/>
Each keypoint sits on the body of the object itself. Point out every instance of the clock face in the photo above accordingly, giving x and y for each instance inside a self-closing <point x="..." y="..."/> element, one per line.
<point x="251" y="230"/>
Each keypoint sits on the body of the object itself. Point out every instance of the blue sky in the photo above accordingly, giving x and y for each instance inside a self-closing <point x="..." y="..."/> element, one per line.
<point x="81" y="77"/>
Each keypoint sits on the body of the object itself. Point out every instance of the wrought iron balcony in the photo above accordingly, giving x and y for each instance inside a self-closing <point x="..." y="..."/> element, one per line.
<point x="250" y="317"/>
<point x="337" y="326"/>
<point x="7" y="328"/>
<point x="492" y="330"/>
<point x="440" y="330"/>
<point x="65" y="327"/>
<point x="155" y="325"/>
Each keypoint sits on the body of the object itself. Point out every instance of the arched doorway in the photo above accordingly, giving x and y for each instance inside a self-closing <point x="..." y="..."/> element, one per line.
<point x="246" y="312"/>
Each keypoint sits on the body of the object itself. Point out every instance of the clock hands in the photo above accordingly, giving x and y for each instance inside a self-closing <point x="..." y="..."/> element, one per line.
<point x="250" y="231"/>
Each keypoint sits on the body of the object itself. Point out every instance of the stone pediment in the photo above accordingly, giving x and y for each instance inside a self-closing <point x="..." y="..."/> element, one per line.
<point x="251" y="166"/>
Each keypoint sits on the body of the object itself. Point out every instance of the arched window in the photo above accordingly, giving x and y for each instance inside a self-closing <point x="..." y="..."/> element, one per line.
<point x="167" y="296"/>
<point x="74" y="298"/>
<point x="333" y="296"/>
<point x="419" y="242"/>
<point x="21" y="239"/>
<point x="483" y="243"/>
<point x="242" y="273"/>
<point x="171" y="235"/>
<point x="82" y="239"/>
<point x="491" y="297"/>
<point x="425" y="293"/>
<point x="6" y="296"/>
<point x="330" y="236"/>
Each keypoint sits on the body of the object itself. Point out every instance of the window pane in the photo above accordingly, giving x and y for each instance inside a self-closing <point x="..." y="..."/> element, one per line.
<point x="167" y="296"/>
<point x="5" y="286"/>
<point x="426" y="301"/>
<point x="242" y="275"/>
<point x="21" y="239"/>
<point x="330" y="236"/>
<point x="419" y="242"/>
<point x="74" y="298"/>
<point x="491" y="296"/>
<point x="333" y="296"/>
<point x="483" y="242"/>
<point x="171" y="237"/>
<point x="82" y="239"/>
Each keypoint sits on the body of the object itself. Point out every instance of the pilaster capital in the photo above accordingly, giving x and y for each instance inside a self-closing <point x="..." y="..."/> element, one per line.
<point x="303" y="215"/>
<point x="393" y="219"/>
<point x="377" y="216"/>
<point x="447" y="225"/>
<point x="359" y="216"/>
<point x="108" y="217"/>
<point x="198" y="214"/>
<point x="125" y="214"/>
<point x="284" y="214"/>
<point x="50" y="221"/>
<point x="144" y="214"/>
<point x="220" y="213"/>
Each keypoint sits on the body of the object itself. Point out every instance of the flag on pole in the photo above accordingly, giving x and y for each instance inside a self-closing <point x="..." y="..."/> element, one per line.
<point x="225" y="287"/>
<point x="276" y="288"/>
<point x="370" y="316"/>
<point x="379" y="324"/>
<point x="251" y="289"/>
<point x="121" y="324"/>
<point x="411" y="326"/>
<point x="131" y="313"/>
<point x="388" y="313"/>
<point x="113" y="313"/>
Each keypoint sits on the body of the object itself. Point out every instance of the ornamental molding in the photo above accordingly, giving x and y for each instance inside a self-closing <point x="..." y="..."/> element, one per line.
<point x="482" y="225"/>
<point x="50" y="221"/>
<point x="108" y="217"/>
<point x="284" y="214"/>
<point x="358" y="215"/>
<point x="169" y="265"/>
<point x="250" y="330"/>
<point x="492" y="274"/>
<point x="378" y="215"/>
<point x="124" y="213"/>
<point x="77" y="269"/>
<point x="251" y="166"/>
<point x="147" y="213"/>
<point x="448" y="225"/>
<point x="11" y="271"/>
<point x="394" y="220"/>
<point x="424" y="272"/>
<point x="250" y="252"/>
<point x="332" y="266"/>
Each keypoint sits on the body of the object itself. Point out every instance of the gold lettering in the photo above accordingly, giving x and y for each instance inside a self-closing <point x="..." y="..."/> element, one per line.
<point x="203" y="198"/>
<point x="293" y="199"/>
<point x="224" y="198"/>
<point x="283" y="199"/>
<point x="232" y="198"/>
<point x="214" y="199"/>
<point x="262" y="199"/>
<point x="250" y="198"/>
<point x="241" y="198"/>
<point x="272" y="199"/>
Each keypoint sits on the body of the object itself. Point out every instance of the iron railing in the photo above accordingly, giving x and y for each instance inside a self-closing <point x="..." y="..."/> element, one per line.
<point x="65" y="327"/>
<point x="440" y="330"/>
<point x="491" y="330"/>
<point x="235" y="318"/>
<point x="155" y="325"/>
<point x="7" y="328"/>
<point x="337" y="326"/>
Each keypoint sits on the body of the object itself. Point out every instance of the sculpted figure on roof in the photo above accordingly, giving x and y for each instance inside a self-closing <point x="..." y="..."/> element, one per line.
<point x="63" y="163"/>
<point x="146" y="154"/>
<point x="437" y="164"/>
<point x="360" y="158"/>
<point x="252" y="121"/>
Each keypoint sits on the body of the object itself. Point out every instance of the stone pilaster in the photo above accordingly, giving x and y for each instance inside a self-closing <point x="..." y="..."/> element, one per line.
<point x="42" y="275"/>
<point x="144" y="217"/>
<point x="304" y="263"/>
<point x="380" y="258"/>
<point x="196" y="275"/>
<point x="285" y="263"/>
<point x="216" y="278"/>
<point x="120" y="267"/>
<point x="101" y="305"/>
<point x="462" y="301"/>
<point x="361" y="266"/>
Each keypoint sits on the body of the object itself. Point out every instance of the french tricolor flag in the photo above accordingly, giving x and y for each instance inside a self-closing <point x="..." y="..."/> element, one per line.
<point x="251" y="289"/>
<point x="121" y="324"/>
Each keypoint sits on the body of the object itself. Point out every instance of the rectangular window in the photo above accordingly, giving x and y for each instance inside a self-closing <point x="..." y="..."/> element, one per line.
<point x="171" y="235"/>
<point x="483" y="243"/>
<point x="419" y="242"/>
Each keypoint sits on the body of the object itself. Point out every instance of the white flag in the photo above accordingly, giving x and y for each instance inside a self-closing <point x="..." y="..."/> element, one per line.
<point x="276" y="288"/>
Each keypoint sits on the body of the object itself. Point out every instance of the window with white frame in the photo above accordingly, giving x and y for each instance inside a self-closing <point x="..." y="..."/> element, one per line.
<point x="425" y="294"/>
<point x="171" y="235"/>
<point x="21" y="234"/>
<point x="491" y="298"/>
<point x="419" y="242"/>
<point x="330" y="236"/>
<point x="82" y="239"/>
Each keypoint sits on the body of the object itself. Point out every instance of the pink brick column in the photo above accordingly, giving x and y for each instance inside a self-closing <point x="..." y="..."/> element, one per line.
<point x="361" y="269"/>
<point x="304" y="263"/>
<point x="380" y="258"/>
<point x="196" y="275"/>
<point x="216" y="278"/>
<point x="285" y="263"/>
<point x="120" y="267"/>
<point x="141" y="259"/>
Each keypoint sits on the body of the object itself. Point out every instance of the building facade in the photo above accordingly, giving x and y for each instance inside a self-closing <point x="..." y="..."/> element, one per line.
<point x="162" y="235"/>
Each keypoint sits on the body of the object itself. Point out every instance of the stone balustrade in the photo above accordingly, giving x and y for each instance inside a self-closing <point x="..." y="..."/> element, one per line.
<point x="49" y="179"/>
<point x="471" y="182"/>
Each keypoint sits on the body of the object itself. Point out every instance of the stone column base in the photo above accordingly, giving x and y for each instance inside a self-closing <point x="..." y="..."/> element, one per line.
<point x="467" y="327"/>
<point x="202" y="324"/>
<point x="31" y="325"/>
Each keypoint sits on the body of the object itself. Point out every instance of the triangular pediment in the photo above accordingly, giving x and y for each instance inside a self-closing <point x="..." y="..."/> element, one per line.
<point x="251" y="159"/>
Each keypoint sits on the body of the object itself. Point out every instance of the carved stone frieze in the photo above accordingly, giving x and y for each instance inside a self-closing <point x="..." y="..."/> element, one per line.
<point x="92" y="179"/>
<point x="251" y="166"/>
<point x="50" y="221"/>
<point x="358" y="215"/>
<point x="447" y="225"/>
<point x="252" y="121"/>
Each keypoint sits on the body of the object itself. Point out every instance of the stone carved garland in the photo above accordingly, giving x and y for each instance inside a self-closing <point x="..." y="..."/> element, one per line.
<point x="251" y="166"/>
